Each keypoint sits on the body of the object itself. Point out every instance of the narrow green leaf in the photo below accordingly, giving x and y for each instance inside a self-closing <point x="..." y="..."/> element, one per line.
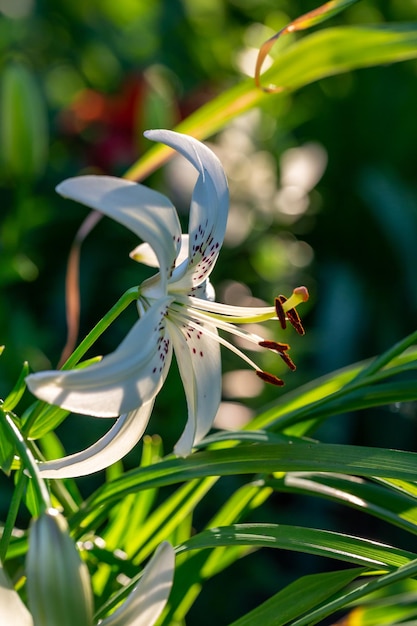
<point x="128" y="516"/>
<point x="49" y="418"/>
<point x="373" y="499"/>
<point x="297" y="598"/>
<point x="326" y="53"/>
<point x="193" y="568"/>
<point x="299" y="412"/>
<point x="312" y="18"/>
<point x="342" y="600"/>
<point x="227" y="438"/>
<point x="322" y="13"/>
<point x="152" y="452"/>
<point x="7" y="448"/>
<point x="400" y="486"/>
<point x="168" y="516"/>
<point x="337" y="50"/>
<point x="300" y="539"/>
<point x="18" y="390"/>
<point x="261" y="459"/>
<point x="359" y="399"/>
<point x="390" y="613"/>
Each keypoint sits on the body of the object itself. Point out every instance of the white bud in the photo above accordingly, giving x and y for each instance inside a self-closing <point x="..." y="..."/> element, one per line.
<point x="58" y="582"/>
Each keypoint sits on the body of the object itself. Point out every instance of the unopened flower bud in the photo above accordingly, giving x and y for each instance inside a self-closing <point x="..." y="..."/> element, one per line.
<point x="58" y="582"/>
<point x="23" y="123"/>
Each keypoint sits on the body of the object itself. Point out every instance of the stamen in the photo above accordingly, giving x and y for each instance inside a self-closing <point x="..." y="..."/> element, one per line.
<point x="228" y="327"/>
<point x="269" y="378"/>
<point x="281" y="348"/>
<point x="288" y="360"/>
<point x="285" y="309"/>
<point x="300" y="294"/>
<point x="190" y="323"/>
<point x="274" y="345"/>
<point x="295" y="321"/>
<point x="279" y="308"/>
<point x="230" y="313"/>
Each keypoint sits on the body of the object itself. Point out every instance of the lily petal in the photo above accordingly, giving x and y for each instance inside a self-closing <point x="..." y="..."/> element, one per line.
<point x="125" y="379"/>
<point x="199" y="363"/>
<point x="145" y="254"/>
<point x="12" y="610"/>
<point x="115" y="444"/>
<point x="146" y="602"/>
<point x="209" y="204"/>
<point x="147" y="213"/>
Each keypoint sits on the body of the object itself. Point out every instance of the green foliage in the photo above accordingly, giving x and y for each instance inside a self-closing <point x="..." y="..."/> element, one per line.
<point x="315" y="468"/>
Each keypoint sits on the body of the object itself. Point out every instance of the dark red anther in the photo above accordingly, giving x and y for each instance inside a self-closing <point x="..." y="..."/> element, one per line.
<point x="270" y="378"/>
<point x="279" y="301"/>
<point x="274" y="345"/>
<point x="288" y="360"/>
<point x="295" y="321"/>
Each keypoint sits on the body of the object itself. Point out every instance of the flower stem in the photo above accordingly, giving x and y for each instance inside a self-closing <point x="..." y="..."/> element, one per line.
<point x="12" y="515"/>
<point x="127" y="298"/>
<point x="26" y="456"/>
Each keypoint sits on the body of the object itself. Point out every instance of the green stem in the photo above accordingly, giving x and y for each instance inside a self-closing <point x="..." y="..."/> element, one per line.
<point x="127" y="298"/>
<point x="12" y="515"/>
<point x="58" y="488"/>
<point x="43" y="499"/>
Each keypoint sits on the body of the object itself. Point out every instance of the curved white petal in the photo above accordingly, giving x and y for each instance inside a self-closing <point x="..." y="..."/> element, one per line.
<point x="145" y="254"/>
<point x="199" y="363"/>
<point x="115" y="444"/>
<point x="12" y="610"/>
<point x="122" y="381"/>
<point x="147" y="213"/>
<point x="146" y="602"/>
<point x="209" y="204"/>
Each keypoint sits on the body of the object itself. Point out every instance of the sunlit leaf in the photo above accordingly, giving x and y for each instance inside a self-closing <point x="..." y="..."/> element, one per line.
<point x="344" y="599"/>
<point x="325" y="53"/>
<point x="255" y="459"/>
<point x="18" y="390"/>
<point x="373" y="499"/>
<point x="7" y="448"/>
<point x="316" y="16"/>
<point x="300" y="539"/>
<point x="297" y="598"/>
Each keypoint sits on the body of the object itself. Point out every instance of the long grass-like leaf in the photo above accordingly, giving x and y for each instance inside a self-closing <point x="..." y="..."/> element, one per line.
<point x="296" y="599"/>
<point x="255" y="459"/>
<point x="301" y="539"/>
<point x="326" y="53"/>
<point x="393" y="507"/>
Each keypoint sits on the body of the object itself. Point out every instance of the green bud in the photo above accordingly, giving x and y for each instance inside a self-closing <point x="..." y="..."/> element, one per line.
<point x="58" y="582"/>
<point x="23" y="123"/>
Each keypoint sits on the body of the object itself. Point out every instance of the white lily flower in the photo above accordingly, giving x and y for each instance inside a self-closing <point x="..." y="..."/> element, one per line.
<point x="59" y="588"/>
<point x="176" y="314"/>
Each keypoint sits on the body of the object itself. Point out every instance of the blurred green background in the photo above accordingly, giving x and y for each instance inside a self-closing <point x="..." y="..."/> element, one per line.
<point x="323" y="193"/>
